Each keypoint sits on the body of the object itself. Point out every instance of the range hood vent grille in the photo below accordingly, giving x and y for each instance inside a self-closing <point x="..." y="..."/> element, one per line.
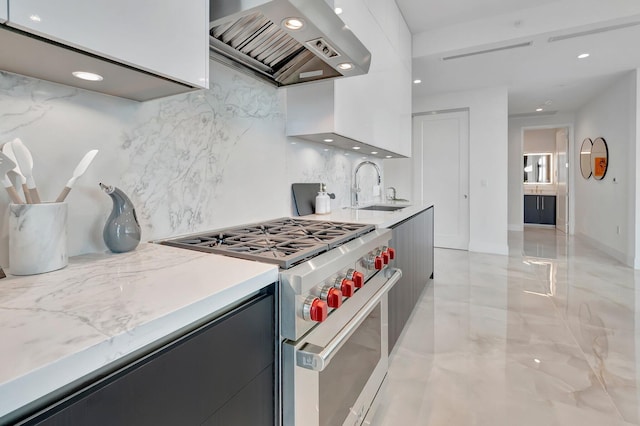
<point x="249" y="37"/>
<point x="260" y="39"/>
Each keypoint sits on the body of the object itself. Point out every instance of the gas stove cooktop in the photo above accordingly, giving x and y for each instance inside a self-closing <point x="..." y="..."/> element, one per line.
<point x="284" y="242"/>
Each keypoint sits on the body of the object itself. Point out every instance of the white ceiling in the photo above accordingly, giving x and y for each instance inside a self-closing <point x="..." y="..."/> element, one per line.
<point x="544" y="71"/>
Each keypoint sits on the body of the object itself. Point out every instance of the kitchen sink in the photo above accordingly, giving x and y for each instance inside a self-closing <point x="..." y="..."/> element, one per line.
<point x="383" y="208"/>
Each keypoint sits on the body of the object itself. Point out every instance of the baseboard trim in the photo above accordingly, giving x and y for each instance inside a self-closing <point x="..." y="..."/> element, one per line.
<point x="609" y="251"/>
<point x="489" y="248"/>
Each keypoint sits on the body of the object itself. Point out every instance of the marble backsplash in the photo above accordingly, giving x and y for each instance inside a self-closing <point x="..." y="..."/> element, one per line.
<point x="204" y="160"/>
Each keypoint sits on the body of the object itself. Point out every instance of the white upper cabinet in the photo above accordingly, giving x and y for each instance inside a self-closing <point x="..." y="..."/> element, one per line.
<point x="168" y="38"/>
<point x="4" y="13"/>
<point x="377" y="106"/>
<point x="374" y="108"/>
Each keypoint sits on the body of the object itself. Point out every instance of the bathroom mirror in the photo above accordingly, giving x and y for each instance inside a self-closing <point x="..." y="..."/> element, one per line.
<point x="537" y="168"/>
<point x="585" y="158"/>
<point x="599" y="158"/>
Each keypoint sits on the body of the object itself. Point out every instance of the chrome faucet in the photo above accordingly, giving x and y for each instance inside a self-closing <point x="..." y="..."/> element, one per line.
<point x="356" y="187"/>
<point x="393" y="197"/>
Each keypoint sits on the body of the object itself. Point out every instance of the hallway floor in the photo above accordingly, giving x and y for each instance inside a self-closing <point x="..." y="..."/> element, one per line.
<point x="546" y="336"/>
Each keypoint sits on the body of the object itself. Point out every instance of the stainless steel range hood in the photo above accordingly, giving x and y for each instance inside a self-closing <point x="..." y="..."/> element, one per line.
<point x="253" y="36"/>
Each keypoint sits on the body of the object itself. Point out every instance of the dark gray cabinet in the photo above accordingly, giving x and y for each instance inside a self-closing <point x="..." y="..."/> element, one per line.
<point x="413" y="241"/>
<point x="221" y="373"/>
<point x="540" y="209"/>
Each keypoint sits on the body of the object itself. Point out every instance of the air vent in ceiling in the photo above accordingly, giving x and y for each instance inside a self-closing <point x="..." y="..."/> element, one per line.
<point x="484" y="51"/>
<point x="592" y="31"/>
<point x="533" y="114"/>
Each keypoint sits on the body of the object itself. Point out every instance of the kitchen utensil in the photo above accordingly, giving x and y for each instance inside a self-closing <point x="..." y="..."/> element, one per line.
<point x="79" y="171"/>
<point x="6" y="165"/>
<point x="7" y="150"/>
<point x="25" y="161"/>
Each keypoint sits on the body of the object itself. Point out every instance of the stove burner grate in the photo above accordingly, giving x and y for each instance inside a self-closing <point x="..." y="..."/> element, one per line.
<point x="286" y="241"/>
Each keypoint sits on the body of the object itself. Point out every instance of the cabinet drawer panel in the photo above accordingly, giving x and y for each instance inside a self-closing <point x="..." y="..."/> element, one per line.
<point x="186" y="381"/>
<point x="252" y="406"/>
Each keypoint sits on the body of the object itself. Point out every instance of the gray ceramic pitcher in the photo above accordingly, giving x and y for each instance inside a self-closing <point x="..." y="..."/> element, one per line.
<point x="122" y="230"/>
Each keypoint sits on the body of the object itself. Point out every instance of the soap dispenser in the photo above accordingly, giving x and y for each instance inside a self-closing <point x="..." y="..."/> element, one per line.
<point x="327" y="198"/>
<point x="322" y="201"/>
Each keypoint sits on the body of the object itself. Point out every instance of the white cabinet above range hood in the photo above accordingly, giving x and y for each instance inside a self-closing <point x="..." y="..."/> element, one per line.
<point x="369" y="114"/>
<point x="285" y="42"/>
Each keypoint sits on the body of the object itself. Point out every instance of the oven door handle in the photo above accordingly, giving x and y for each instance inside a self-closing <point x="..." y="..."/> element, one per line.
<point x="316" y="358"/>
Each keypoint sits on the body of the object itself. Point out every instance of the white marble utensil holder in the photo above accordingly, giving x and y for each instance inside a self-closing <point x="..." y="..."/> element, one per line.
<point x="37" y="238"/>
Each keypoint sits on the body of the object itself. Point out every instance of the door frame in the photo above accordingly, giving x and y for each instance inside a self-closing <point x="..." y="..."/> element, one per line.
<point x="570" y="174"/>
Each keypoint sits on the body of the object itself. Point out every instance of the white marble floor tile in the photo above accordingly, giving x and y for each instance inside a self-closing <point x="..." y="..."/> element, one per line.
<point x="549" y="335"/>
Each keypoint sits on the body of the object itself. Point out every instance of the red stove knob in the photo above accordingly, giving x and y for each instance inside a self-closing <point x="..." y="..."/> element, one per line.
<point x="346" y="286"/>
<point x="356" y="277"/>
<point x="315" y="309"/>
<point x="334" y="298"/>
<point x="392" y="253"/>
<point x="378" y="263"/>
<point x="385" y="257"/>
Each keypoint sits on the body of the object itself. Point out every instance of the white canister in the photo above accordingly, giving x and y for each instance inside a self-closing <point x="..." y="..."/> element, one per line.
<point x="37" y="238"/>
<point x="327" y="203"/>
<point x="322" y="203"/>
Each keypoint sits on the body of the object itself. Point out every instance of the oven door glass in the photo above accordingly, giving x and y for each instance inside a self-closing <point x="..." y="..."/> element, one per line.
<point x="343" y="380"/>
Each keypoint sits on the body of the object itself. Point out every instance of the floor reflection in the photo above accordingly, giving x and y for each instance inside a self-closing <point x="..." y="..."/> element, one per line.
<point x="544" y="336"/>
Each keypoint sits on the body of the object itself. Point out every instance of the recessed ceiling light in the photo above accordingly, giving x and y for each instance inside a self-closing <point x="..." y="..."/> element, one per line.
<point x="293" y="143"/>
<point x="338" y="10"/>
<point x="326" y="149"/>
<point x="537" y="361"/>
<point x="35" y="18"/>
<point x="327" y="140"/>
<point x="538" y="109"/>
<point x="389" y="156"/>
<point x="583" y="55"/>
<point x="84" y="75"/>
<point x="293" y="23"/>
<point x="345" y="66"/>
<point x="374" y="152"/>
<point x="417" y="81"/>
<point x="356" y="147"/>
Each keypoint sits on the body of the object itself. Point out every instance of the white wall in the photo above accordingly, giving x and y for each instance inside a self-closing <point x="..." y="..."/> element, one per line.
<point x="516" y="126"/>
<point x="487" y="163"/>
<point x="602" y="206"/>
<point x="539" y="140"/>
<point x="195" y="162"/>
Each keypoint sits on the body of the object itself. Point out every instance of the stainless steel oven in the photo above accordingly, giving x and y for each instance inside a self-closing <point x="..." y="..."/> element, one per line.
<point x="334" y="363"/>
<point x="332" y="311"/>
<point x="332" y="375"/>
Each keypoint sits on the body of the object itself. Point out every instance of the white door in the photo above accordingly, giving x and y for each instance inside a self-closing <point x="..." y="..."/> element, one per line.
<point x="562" y="175"/>
<point x="441" y="160"/>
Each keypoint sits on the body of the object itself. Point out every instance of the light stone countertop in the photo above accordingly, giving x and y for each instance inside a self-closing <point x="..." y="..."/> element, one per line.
<point x="58" y="327"/>
<point x="381" y="219"/>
